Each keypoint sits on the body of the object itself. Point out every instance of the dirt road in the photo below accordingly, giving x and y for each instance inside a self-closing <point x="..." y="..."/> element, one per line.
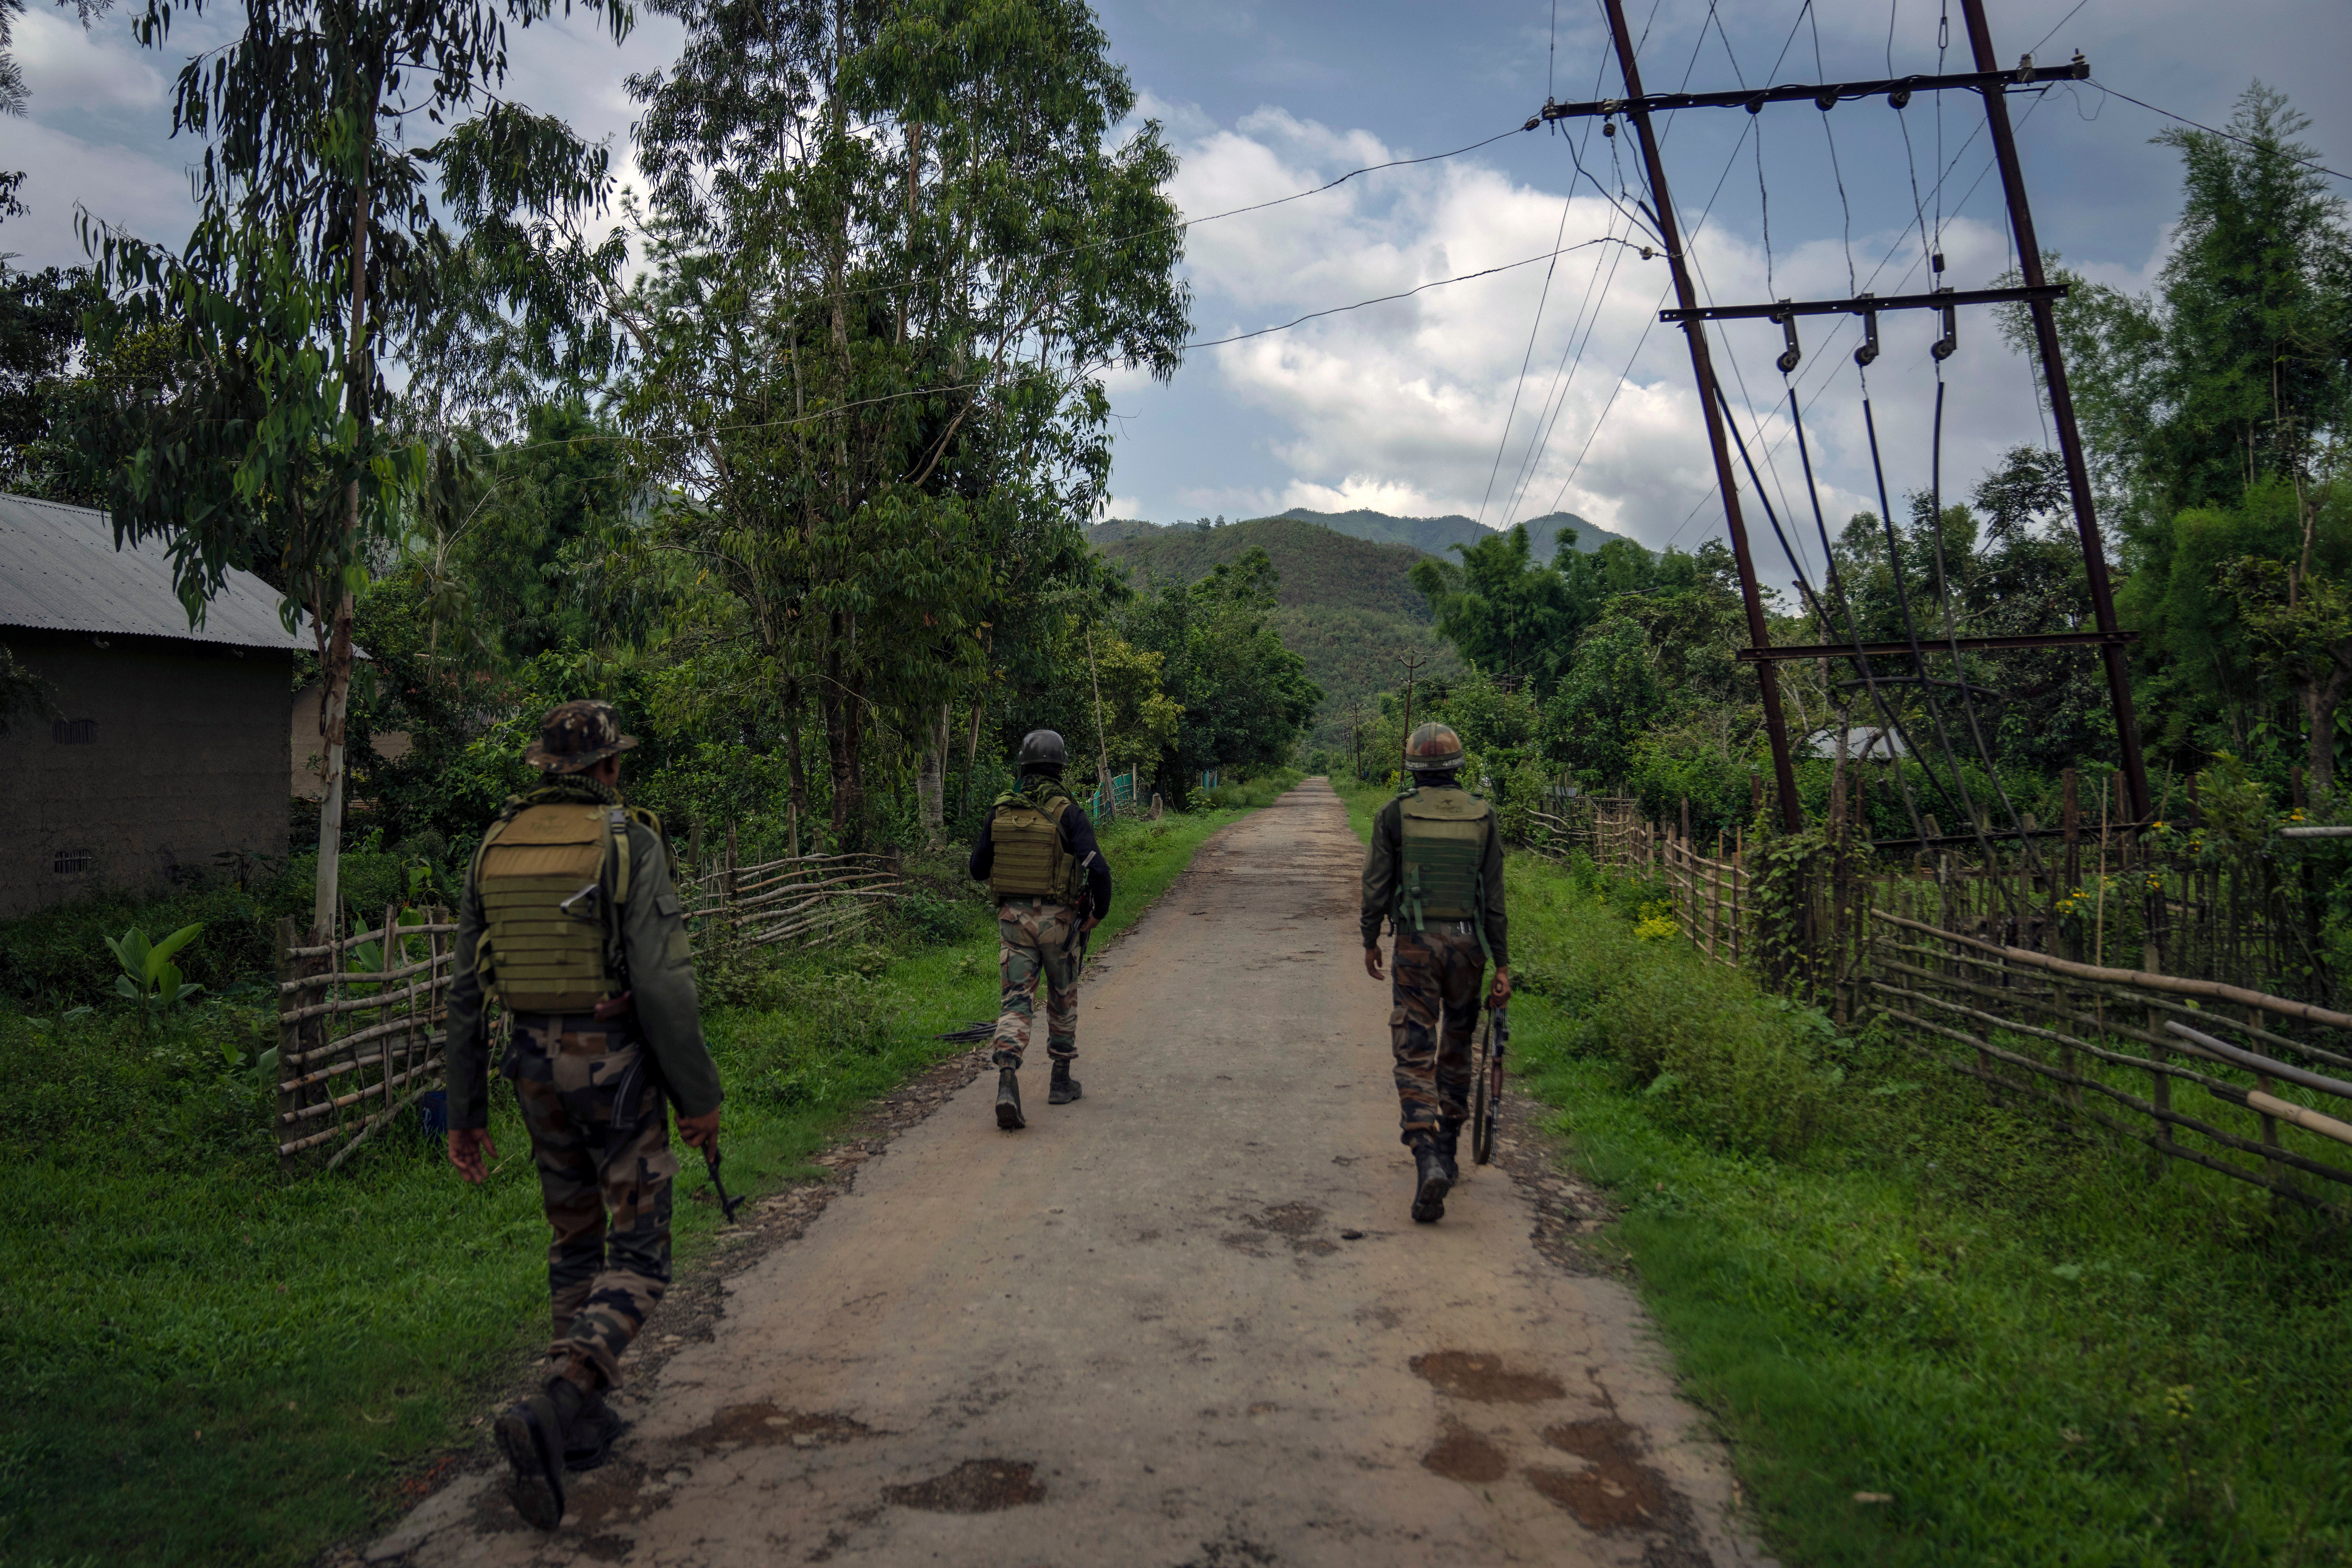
<point x="1185" y="1322"/>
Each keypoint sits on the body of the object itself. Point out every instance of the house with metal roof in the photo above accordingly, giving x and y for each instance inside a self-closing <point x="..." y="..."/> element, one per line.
<point x="166" y="745"/>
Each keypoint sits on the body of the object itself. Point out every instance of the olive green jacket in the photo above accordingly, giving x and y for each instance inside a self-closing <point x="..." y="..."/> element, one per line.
<point x="1381" y="858"/>
<point x="661" y="977"/>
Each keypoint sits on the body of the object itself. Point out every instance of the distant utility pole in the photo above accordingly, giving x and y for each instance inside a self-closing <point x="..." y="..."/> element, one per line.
<point x="1411" y="665"/>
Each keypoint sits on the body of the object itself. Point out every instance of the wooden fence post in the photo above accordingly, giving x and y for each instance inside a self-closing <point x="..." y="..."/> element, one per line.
<point x="289" y="1036"/>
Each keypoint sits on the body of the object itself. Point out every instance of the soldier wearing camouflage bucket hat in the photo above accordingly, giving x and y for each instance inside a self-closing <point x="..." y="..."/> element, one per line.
<point x="1435" y="871"/>
<point x="569" y="921"/>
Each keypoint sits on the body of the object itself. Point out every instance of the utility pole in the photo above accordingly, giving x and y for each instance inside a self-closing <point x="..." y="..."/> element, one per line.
<point x="1793" y="811"/>
<point x="1102" y="740"/>
<point x="2062" y="406"/>
<point x="1411" y="665"/>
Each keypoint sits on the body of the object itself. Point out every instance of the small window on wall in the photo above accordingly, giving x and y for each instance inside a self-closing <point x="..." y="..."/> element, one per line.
<point x="75" y="732"/>
<point x="71" y="862"/>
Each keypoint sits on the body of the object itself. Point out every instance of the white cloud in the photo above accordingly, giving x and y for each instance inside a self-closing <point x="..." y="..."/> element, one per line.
<point x="92" y="70"/>
<point x="1402" y="405"/>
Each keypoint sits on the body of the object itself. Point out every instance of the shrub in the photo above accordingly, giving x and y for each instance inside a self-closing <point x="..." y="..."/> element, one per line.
<point x="1714" y="1057"/>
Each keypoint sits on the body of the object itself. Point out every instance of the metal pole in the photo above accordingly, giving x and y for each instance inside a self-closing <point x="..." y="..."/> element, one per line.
<point x="2062" y="407"/>
<point x="1793" y="811"/>
<point x="1411" y="665"/>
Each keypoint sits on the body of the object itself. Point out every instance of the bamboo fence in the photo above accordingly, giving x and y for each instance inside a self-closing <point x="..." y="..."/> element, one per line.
<point x="357" y="1047"/>
<point x="814" y="901"/>
<point x="2218" y="1046"/>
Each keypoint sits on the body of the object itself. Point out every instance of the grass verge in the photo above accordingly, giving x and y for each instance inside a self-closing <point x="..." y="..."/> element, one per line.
<point x="1936" y="1332"/>
<point x="210" y="1365"/>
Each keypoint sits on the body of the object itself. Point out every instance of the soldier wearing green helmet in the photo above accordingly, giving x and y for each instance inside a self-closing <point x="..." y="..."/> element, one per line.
<point x="1435" y="871"/>
<point x="570" y="921"/>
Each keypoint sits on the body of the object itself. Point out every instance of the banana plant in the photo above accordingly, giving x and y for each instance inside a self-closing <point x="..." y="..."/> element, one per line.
<point x="149" y="977"/>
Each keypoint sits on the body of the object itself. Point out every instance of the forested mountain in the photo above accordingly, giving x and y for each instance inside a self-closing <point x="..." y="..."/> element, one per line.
<point x="1439" y="534"/>
<point x="1318" y="567"/>
<point x="1348" y="605"/>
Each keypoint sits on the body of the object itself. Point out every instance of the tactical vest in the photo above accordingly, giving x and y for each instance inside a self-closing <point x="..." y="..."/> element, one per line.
<point x="1031" y="860"/>
<point x="553" y="878"/>
<point x="1441" y="875"/>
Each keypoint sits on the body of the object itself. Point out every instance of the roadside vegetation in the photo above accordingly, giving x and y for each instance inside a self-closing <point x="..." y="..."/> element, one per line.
<point x="1936" y="1332"/>
<point x="211" y="1364"/>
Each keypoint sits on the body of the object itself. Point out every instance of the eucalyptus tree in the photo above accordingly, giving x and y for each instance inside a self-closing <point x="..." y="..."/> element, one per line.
<point x="895" y="248"/>
<point x="316" y="254"/>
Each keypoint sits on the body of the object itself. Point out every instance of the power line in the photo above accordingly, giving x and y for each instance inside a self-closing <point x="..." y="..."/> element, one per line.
<point x="1527" y="358"/>
<point x="2214" y="130"/>
<point x="1385" y="299"/>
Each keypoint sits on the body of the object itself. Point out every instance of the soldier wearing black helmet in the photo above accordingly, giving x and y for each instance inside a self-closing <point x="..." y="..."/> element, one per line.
<point x="1038" y="854"/>
<point x="1434" y="870"/>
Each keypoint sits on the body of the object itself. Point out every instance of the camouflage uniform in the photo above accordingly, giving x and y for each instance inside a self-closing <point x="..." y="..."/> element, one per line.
<point x="600" y="1137"/>
<point x="1039" y="941"/>
<point x="1038" y="937"/>
<point x="1436" y="976"/>
<point x="594" y="1096"/>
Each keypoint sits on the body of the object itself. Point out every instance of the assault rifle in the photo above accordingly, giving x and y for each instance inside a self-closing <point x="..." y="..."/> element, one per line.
<point x="1486" y="1085"/>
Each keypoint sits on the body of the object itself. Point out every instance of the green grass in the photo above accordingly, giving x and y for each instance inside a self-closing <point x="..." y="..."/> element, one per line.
<point x="1878" y="1282"/>
<point x="2042" y="1353"/>
<point x="211" y="1365"/>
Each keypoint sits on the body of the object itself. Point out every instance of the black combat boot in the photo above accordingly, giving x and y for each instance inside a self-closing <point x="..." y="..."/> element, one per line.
<point x="1449" y="1141"/>
<point x="1063" y="1089"/>
<point x="588" y="1438"/>
<point x="1431" y="1183"/>
<point x="532" y="1437"/>
<point x="1008" y="1100"/>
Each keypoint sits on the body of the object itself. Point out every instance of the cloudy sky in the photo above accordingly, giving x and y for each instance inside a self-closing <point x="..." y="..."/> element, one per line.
<point x="1545" y="386"/>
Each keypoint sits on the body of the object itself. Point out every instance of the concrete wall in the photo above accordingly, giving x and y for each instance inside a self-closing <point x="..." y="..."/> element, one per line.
<point x="310" y="749"/>
<point x="187" y="757"/>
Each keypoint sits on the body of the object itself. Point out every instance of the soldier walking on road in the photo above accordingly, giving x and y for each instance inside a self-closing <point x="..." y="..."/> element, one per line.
<point x="1038" y="856"/>
<point x="1434" y="869"/>
<point x="569" y="920"/>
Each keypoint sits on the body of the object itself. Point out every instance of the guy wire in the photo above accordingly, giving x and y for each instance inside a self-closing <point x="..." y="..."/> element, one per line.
<point x="1951" y="630"/>
<point x="1814" y="599"/>
<point x="1853" y="628"/>
<point x="1911" y="634"/>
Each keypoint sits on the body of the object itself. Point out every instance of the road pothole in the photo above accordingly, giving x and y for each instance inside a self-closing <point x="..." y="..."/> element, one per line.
<point x="763" y="1424"/>
<point x="1480" y="1376"/>
<point x="1461" y="1455"/>
<point x="976" y="1485"/>
<point x="1618" y="1492"/>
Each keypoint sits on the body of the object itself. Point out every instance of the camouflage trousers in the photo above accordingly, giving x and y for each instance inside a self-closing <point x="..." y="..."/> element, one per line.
<point x="600" y="1136"/>
<point x="1038" y="943"/>
<point x="1437" y="974"/>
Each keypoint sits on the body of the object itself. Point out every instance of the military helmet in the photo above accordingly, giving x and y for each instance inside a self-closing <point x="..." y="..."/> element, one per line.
<point x="575" y="736"/>
<point x="1042" y="749"/>
<point x="1433" y="749"/>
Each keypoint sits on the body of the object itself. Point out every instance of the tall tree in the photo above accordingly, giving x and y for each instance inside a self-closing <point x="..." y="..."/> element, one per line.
<point x="897" y="248"/>
<point x="318" y="251"/>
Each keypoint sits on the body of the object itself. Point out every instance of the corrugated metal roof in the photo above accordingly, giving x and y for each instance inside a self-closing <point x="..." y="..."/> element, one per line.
<point x="59" y="571"/>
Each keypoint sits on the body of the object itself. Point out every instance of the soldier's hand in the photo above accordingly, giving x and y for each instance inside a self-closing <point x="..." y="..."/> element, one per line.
<point x="1372" y="964"/>
<point x="700" y="1132"/>
<point x="1500" y="992"/>
<point x="468" y="1148"/>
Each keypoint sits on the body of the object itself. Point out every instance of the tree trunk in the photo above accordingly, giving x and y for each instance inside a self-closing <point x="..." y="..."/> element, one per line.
<point x="793" y="747"/>
<point x="334" y="703"/>
<point x="838" y="701"/>
<point x="930" y="777"/>
<point x="2320" y="701"/>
